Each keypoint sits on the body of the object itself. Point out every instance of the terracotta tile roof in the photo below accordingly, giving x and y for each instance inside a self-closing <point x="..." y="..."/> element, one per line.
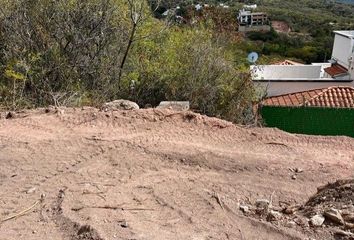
<point x="342" y="97"/>
<point x="336" y="70"/>
<point x="339" y="97"/>
<point x="292" y="99"/>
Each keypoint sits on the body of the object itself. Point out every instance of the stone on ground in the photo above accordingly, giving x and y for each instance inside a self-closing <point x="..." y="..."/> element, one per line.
<point x="317" y="220"/>
<point x="175" y="105"/>
<point x="120" y="104"/>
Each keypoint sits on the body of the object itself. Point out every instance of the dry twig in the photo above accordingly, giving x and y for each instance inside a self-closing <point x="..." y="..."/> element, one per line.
<point x="277" y="143"/>
<point x="23" y="212"/>
<point x="218" y="200"/>
<point x="118" y="207"/>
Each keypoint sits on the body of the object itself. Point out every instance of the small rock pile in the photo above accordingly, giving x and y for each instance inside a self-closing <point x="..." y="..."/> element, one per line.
<point x="337" y="194"/>
<point x="263" y="209"/>
<point x="332" y="207"/>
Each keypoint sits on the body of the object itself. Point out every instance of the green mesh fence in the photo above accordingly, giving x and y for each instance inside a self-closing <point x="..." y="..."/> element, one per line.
<point x="310" y="120"/>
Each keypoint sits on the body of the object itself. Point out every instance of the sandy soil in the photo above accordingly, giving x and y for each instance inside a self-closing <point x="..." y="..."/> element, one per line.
<point x="281" y="26"/>
<point x="153" y="174"/>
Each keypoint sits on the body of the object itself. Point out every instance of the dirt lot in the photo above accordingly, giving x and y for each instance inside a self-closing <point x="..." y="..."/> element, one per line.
<point x="281" y="26"/>
<point x="153" y="174"/>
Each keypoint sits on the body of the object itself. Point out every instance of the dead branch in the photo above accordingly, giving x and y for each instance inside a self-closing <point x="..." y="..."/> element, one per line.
<point x="277" y="143"/>
<point x="23" y="212"/>
<point x="218" y="200"/>
<point x="118" y="207"/>
<point x="99" y="194"/>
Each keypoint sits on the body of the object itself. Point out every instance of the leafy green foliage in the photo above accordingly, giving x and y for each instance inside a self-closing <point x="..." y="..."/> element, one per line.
<point x="186" y="64"/>
<point x="87" y="52"/>
<point x="64" y="47"/>
<point x="312" y="23"/>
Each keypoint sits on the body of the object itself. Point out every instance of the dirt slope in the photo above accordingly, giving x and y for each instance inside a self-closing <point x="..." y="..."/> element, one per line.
<point x="152" y="174"/>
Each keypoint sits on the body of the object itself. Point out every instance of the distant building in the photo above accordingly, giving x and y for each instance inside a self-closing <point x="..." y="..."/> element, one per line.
<point x="290" y="78"/>
<point x="251" y="6"/>
<point x="343" y="54"/>
<point x="249" y="18"/>
<point x="224" y="5"/>
<point x="198" y="7"/>
<point x="252" y="21"/>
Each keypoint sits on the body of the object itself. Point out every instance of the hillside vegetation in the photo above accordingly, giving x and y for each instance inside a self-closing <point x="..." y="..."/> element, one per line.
<point x="87" y="52"/>
<point x="312" y="23"/>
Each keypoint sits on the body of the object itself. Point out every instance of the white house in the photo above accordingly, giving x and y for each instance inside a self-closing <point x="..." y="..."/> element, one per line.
<point x="343" y="49"/>
<point x="342" y="56"/>
<point x="251" y="6"/>
<point x="289" y="78"/>
<point x="252" y="21"/>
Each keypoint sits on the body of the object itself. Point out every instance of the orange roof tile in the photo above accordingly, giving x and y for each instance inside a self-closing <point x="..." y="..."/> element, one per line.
<point x="336" y="70"/>
<point x="338" y="97"/>
<point x="288" y="62"/>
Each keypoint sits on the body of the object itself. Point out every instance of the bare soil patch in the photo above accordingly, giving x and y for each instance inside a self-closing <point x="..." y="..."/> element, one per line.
<point x="161" y="174"/>
<point x="281" y="26"/>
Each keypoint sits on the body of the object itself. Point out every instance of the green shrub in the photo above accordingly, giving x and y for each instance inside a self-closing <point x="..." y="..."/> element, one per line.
<point x="88" y="52"/>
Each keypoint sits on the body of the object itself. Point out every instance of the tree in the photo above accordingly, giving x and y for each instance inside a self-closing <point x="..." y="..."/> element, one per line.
<point x="67" y="46"/>
<point x="87" y="52"/>
<point x="190" y="64"/>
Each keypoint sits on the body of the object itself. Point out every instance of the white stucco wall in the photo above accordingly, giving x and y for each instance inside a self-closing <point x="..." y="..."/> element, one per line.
<point x="280" y="88"/>
<point x="323" y="66"/>
<point x="276" y="72"/>
<point x="342" y="49"/>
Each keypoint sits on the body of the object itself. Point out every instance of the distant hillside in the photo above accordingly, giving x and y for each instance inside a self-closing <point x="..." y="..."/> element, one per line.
<point x="346" y="1"/>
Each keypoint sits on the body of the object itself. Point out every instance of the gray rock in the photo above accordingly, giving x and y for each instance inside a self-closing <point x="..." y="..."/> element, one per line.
<point x="273" y="215"/>
<point x="124" y="224"/>
<point x="175" y="105"/>
<point x="291" y="209"/>
<point x="262" y="203"/>
<point x="302" y="221"/>
<point x="334" y="215"/>
<point x="317" y="220"/>
<point x="290" y="224"/>
<point x="31" y="190"/>
<point x="10" y="115"/>
<point x="244" y="208"/>
<point x="120" y="104"/>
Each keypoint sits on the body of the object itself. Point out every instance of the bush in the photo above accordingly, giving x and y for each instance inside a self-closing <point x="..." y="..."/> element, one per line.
<point x="87" y="52"/>
<point x="186" y="64"/>
<point x="60" y="50"/>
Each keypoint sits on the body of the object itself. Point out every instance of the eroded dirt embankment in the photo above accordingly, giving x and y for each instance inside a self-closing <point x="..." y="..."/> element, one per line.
<point x="153" y="174"/>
